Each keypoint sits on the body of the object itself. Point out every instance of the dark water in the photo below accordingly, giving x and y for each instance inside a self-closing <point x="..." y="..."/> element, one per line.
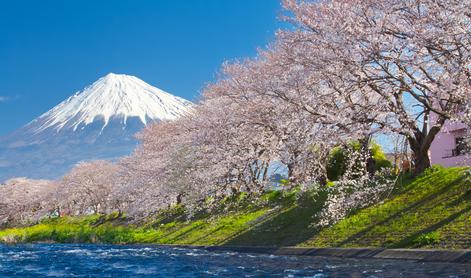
<point x="78" y="260"/>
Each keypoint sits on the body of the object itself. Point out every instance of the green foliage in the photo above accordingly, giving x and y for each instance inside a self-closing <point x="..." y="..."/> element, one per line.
<point x="380" y="157"/>
<point x="330" y="183"/>
<point x="336" y="163"/>
<point x="284" y="182"/>
<point x="272" y="196"/>
<point x="337" y="159"/>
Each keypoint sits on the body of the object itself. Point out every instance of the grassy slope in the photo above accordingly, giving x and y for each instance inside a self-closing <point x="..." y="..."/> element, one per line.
<point x="433" y="211"/>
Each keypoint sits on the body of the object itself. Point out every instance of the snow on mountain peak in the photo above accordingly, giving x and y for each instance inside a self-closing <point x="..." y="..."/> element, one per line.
<point x="114" y="96"/>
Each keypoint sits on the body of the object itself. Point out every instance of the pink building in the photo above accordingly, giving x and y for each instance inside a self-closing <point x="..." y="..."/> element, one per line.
<point x="448" y="148"/>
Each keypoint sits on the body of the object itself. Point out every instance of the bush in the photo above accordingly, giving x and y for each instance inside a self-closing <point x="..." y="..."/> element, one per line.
<point x="336" y="163"/>
<point x="337" y="159"/>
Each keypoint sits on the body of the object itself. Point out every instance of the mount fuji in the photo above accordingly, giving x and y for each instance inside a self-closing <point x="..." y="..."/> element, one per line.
<point x="98" y="122"/>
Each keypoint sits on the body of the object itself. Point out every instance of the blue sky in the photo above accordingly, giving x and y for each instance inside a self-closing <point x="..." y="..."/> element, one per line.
<point x="51" y="49"/>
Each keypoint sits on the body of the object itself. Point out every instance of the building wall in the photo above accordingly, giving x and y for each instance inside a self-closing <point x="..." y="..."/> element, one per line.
<point x="441" y="151"/>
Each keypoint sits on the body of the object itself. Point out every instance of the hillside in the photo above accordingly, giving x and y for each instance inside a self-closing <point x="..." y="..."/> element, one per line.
<point x="433" y="211"/>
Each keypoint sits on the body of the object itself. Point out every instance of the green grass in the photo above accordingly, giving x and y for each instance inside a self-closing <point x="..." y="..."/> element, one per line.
<point x="432" y="211"/>
<point x="210" y="231"/>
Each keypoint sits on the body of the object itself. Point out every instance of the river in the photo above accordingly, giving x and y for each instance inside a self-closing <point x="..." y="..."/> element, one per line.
<point x="87" y="260"/>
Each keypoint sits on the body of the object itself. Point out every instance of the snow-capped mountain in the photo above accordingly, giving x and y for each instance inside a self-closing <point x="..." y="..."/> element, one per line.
<point x="98" y="122"/>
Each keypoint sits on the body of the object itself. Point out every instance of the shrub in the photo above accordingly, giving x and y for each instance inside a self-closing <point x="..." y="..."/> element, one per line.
<point x="337" y="159"/>
<point x="336" y="163"/>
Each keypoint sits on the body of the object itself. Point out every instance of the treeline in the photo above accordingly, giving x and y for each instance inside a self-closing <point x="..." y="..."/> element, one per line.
<point x="343" y="71"/>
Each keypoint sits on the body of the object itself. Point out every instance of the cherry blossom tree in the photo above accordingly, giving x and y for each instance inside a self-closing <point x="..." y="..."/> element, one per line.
<point x="145" y="173"/>
<point x="355" y="190"/>
<point x="213" y="152"/>
<point x="24" y="201"/>
<point x="86" y="188"/>
<point x="399" y="61"/>
<point x="302" y="126"/>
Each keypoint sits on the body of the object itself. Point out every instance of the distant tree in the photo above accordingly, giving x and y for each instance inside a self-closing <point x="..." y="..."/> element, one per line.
<point x="86" y="188"/>
<point x="25" y="201"/>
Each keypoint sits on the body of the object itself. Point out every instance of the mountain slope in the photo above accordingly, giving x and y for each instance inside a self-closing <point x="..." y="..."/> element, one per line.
<point x="98" y="122"/>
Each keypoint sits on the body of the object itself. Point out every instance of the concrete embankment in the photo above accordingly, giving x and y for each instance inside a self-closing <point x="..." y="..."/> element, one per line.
<point x="422" y="255"/>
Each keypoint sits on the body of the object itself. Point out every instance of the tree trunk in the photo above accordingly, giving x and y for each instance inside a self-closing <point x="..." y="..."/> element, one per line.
<point x="420" y="145"/>
<point x="370" y="165"/>
<point x="365" y="149"/>
<point x="291" y="172"/>
<point x="421" y="162"/>
<point x="179" y="198"/>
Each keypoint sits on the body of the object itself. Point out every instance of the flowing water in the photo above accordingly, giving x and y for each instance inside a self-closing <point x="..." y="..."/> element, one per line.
<point x="86" y="260"/>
